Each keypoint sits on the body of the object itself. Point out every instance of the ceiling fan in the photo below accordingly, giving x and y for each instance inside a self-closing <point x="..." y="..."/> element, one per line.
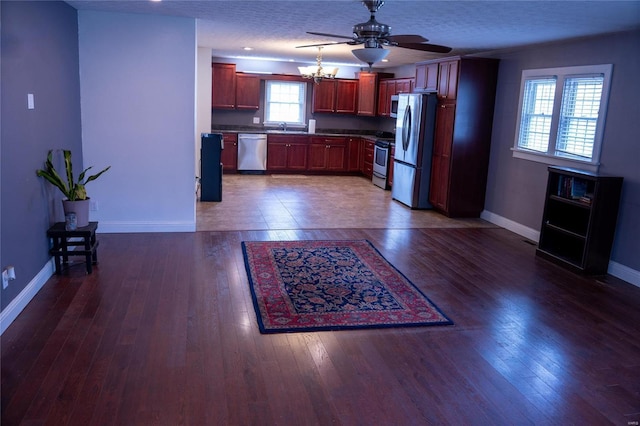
<point x="374" y="35"/>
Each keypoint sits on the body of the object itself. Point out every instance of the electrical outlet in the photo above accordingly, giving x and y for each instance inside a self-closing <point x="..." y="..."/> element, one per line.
<point x="256" y="120"/>
<point x="93" y="205"/>
<point x="5" y="279"/>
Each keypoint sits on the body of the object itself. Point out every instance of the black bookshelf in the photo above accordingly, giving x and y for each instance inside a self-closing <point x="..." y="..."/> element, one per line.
<point x="579" y="219"/>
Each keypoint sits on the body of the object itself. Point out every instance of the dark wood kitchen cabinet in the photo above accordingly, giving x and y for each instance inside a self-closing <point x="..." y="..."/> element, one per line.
<point x="368" y="92"/>
<point x="579" y="219"/>
<point x="223" y="86"/>
<point x="367" y="158"/>
<point x="426" y="77"/>
<point x="464" y="118"/>
<point x="404" y="85"/>
<point x="335" y="95"/>
<point x="327" y="153"/>
<point x="448" y="79"/>
<point x="247" y="91"/>
<point x="231" y="90"/>
<point x="354" y="154"/>
<point x="229" y="155"/>
<point x="287" y="152"/>
<point x="391" y="159"/>
<point x="387" y="89"/>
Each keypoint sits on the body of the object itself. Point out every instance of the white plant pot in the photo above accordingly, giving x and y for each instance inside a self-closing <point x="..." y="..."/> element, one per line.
<point x="81" y="210"/>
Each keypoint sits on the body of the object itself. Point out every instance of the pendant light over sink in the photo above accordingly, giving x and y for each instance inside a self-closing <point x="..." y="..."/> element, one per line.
<point x="317" y="73"/>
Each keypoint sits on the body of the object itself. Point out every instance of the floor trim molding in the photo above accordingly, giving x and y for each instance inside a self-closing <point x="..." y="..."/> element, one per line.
<point x="512" y="226"/>
<point x="132" y="227"/>
<point x="616" y="269"/>
<point x="11" y="312"/>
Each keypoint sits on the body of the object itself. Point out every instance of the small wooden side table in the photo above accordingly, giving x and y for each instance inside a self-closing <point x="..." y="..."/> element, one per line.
<point x="63" y="248"/>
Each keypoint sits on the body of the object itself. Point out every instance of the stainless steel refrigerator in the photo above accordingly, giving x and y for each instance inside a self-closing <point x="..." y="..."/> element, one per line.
<point x="415" y="128"/>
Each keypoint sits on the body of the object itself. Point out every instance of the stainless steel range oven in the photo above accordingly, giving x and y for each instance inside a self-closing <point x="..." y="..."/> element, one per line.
<point x="381" y="154"/>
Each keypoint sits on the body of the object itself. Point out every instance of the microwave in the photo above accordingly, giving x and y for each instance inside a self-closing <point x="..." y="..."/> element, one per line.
<point x="393" y="108"/>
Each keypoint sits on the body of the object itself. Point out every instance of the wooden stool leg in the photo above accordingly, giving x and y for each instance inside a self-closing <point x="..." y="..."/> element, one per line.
<point x="87" y="248"/>
<point x="57" y="255"/>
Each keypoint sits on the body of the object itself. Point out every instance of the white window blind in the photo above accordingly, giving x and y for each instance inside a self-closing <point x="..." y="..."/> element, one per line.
<point x="537" y="110"/>
<point x="285" y="102"/>
<point x="562" y="114"/>
<point x="579" y="115"/>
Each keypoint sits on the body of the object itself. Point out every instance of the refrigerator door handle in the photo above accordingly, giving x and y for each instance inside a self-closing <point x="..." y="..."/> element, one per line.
<point x="406" y="128"/>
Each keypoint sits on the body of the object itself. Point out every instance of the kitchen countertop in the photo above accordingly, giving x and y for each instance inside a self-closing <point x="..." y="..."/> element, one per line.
<point x="345" y="133"/>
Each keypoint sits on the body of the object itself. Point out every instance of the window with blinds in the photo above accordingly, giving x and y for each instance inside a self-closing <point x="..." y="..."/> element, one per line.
<point x="579" y="115"/>
<point x="537" y="108"/>
<point x="562" y="114"/>
<point x="285" y="102"/>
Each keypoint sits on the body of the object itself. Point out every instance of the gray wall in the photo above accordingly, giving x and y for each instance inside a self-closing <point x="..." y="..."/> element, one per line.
<point x="515" y="187"/>
<point x="39" y="56"/>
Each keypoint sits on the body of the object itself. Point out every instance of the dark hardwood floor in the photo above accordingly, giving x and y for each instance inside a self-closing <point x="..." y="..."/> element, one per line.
<point x="164" y="332"/>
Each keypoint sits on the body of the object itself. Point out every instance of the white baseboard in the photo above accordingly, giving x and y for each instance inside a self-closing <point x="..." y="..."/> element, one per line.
<point x="503" y="222"/>
<point x="131" y="227"/>
<point x="625" y="273"/>
<point x="616" y="269"/>
<point x="11" y="312"/>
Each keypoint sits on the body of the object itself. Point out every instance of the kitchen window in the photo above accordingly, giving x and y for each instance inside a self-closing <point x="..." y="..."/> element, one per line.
<point x="285" y="102"/>
<point x="562" y="114"/>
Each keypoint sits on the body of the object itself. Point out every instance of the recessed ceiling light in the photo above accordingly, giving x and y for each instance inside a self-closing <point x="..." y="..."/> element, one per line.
<point x="248" y="48"/>
<point x="384" y="60"/>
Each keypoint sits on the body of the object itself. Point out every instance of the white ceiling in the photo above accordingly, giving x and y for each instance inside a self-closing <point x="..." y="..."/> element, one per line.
<point x="273" y="28"/>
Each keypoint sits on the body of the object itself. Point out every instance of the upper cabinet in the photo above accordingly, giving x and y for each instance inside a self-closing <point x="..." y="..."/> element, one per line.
<point x="223" y="86"/>
<point x="247" y="91"/>
<point x="335" y="95"/>
<point x="448" y="79"/>
<point x="368" y="92"/>
<point x="388" y="88"/>
<point x="231" y="90"/>
<point x="426" y="77"/>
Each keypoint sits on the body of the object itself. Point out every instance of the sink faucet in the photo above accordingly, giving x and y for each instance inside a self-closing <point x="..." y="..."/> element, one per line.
<point x="283" y="126"/>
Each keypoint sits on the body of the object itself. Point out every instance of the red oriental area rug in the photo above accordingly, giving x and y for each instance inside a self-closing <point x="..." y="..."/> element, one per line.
<point x="331" y="285"/>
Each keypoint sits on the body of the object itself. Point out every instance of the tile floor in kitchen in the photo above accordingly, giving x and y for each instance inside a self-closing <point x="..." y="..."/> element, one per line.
<point x="263" y="202"/>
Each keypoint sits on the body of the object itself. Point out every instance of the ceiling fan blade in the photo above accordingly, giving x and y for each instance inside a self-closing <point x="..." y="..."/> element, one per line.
<point x="331" y="43"/>
<point x="406" y="38"/>
<point x="425" y="47"/>
<point x="330" y="35"/>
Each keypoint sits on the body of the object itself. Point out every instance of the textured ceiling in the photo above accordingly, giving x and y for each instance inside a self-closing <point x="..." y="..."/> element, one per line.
<point x="274" y="28"/>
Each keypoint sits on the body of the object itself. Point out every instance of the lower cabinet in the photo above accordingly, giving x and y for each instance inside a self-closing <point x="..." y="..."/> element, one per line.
<point x="327" y="153"/>
<point x="390" y="173"/>
<point x="287" y="153"/>
<point x="367" y="158"/>
<point x="354" y="154"/>
<point x="299" y="153"/>
<point x="229" y="155"/>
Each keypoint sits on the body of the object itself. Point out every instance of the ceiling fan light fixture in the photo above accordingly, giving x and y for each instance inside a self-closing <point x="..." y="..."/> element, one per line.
<point x="317" y="73"/>
<point x="370" y="55"/>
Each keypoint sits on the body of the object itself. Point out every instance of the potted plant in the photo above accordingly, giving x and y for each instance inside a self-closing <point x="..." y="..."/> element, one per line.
<point x="77" y="201"/>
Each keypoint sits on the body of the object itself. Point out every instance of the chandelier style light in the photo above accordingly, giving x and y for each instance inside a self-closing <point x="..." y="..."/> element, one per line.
<point x="317" y="73"/>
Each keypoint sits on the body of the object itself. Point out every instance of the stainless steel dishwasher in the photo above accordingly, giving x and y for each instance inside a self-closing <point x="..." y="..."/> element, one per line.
<point x="252" y="152"/>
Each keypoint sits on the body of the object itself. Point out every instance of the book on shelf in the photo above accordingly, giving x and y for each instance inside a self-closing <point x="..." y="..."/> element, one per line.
<point x="572" y="188"/>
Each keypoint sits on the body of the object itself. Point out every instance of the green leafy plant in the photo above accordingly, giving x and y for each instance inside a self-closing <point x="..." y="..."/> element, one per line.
<point x="73" y="190"/>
